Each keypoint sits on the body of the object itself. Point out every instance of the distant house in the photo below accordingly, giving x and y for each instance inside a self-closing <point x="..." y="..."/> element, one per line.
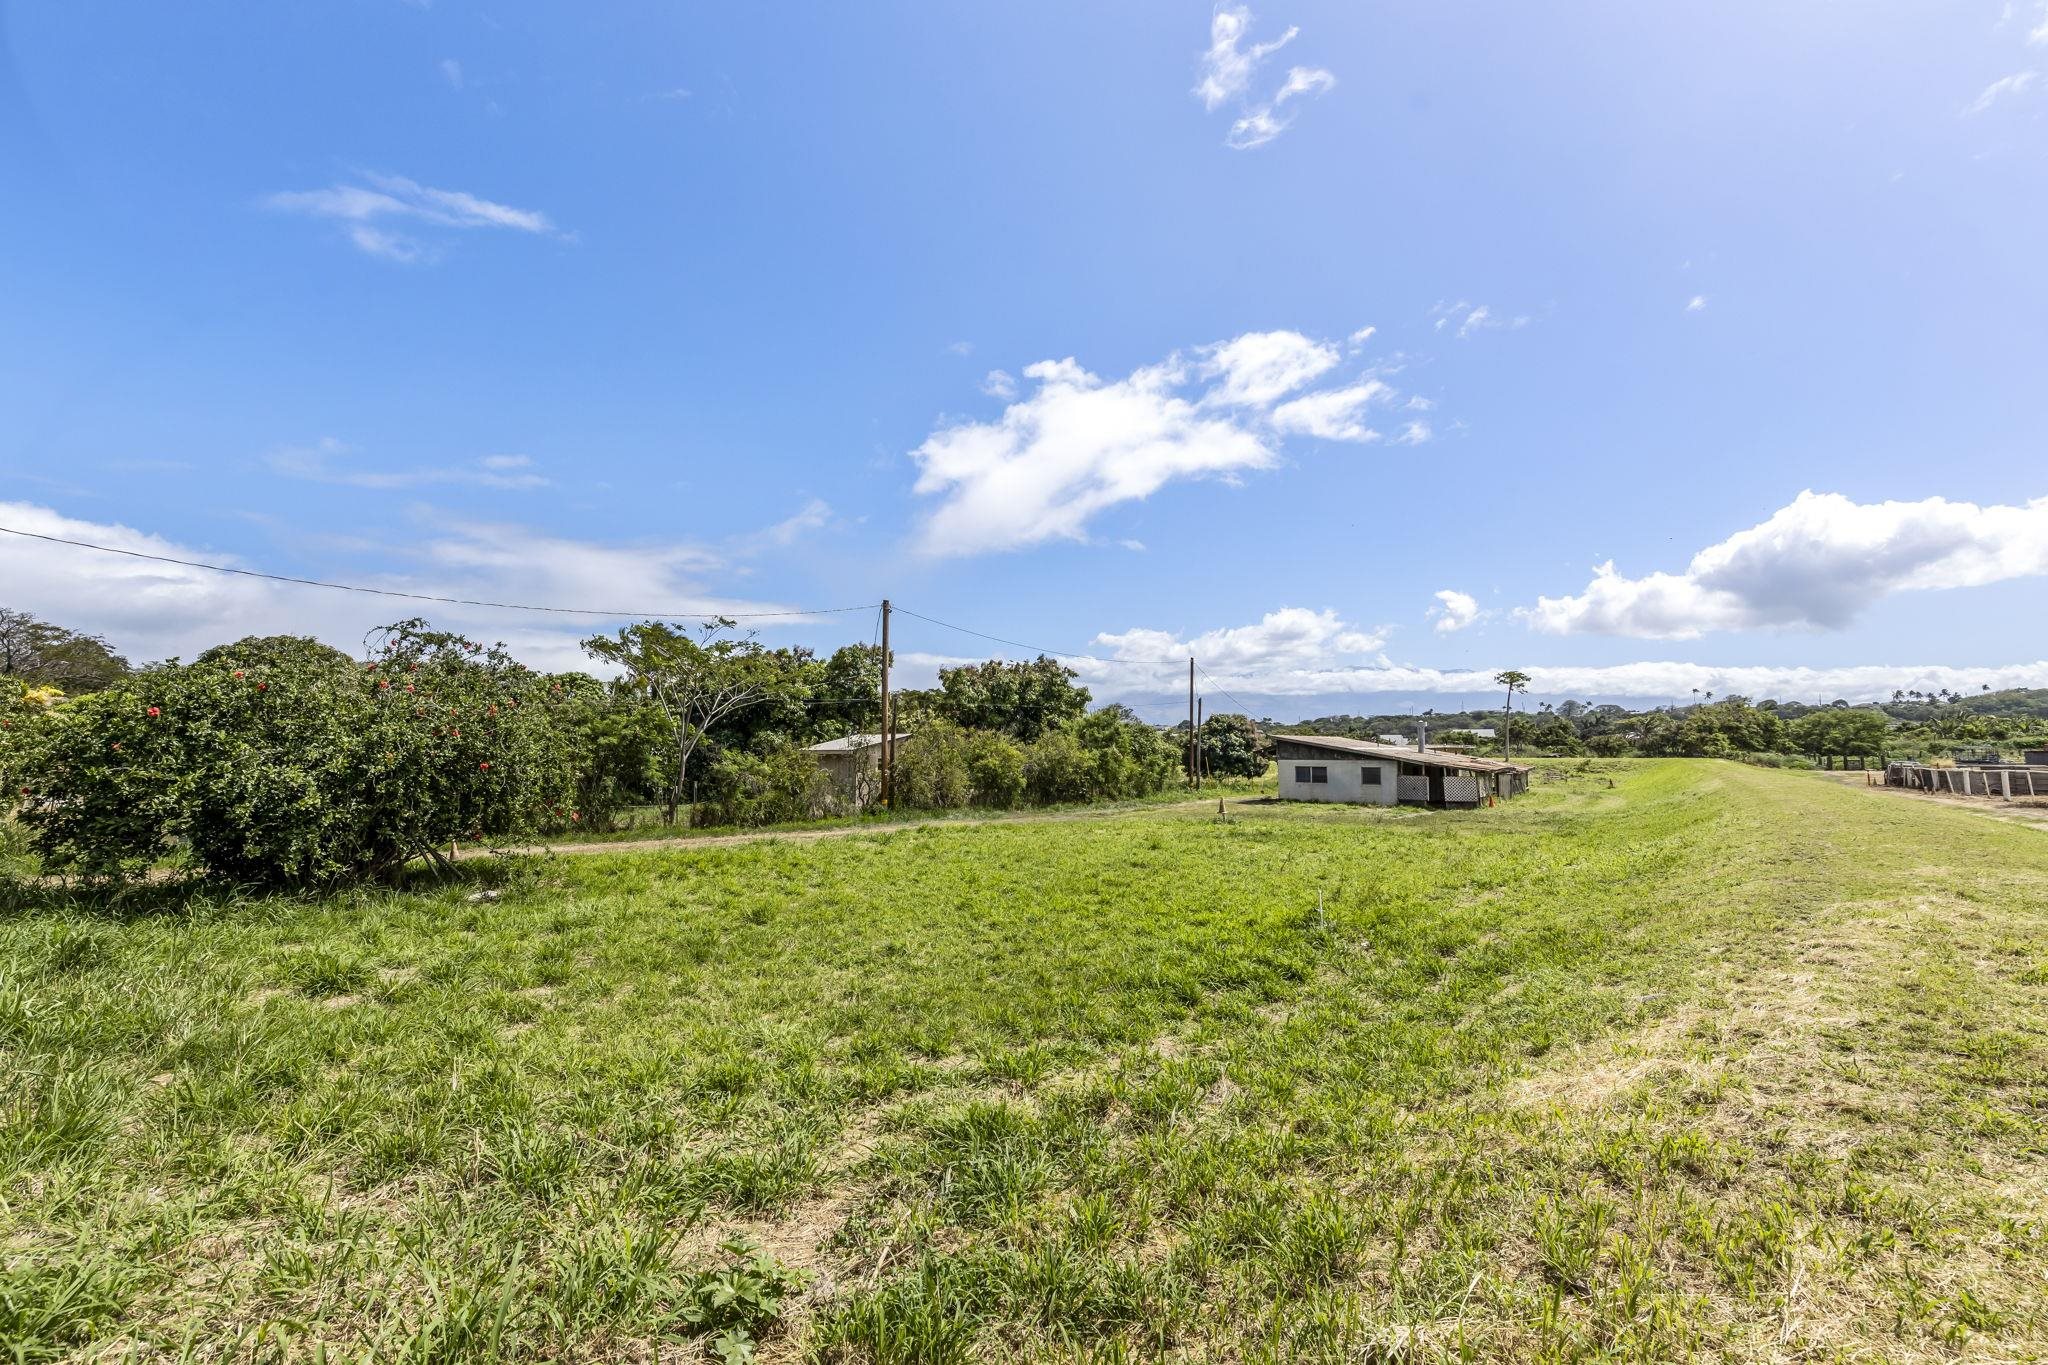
<point x="1358" y="772"/>
<point x="854" y="764"/>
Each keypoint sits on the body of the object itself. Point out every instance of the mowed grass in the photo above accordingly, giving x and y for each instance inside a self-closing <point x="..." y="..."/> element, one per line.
<point x="1663" y="1060"/>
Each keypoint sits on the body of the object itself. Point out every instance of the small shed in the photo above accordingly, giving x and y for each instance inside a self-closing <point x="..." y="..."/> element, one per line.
<point x="1359" y="772"/>
<point x="854" y="763"/>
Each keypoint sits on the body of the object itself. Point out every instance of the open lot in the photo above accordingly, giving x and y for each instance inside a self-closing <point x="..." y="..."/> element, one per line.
<point x="1665" y="1058"/>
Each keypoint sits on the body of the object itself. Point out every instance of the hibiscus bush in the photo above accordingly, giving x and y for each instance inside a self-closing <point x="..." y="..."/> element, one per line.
<point x="280" y="761"/>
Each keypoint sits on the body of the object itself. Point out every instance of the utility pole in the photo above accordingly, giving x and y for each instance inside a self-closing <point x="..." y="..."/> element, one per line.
<point x="888" y="722"/>
<point x="1191" y="720"/>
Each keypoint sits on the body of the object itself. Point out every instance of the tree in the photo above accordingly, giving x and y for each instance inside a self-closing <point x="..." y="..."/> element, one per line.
<point x="1514" y="680"/>
<point x="694" y="682"/>
<point x="1021" y="700"/>
<point x="43" y="655"/>
<point x="1233" y="747"/>
<point x="1838" y="733"/>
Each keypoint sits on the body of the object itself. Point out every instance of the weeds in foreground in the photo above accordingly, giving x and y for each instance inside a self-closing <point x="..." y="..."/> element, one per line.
<point x="1717" y="1060"/>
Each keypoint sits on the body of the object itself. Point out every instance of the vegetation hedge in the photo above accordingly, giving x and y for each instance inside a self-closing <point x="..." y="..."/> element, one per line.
<point x="280" y="762"/>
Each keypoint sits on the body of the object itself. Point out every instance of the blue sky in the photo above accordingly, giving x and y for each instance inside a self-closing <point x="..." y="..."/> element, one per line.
<point x="1343" y="358"/>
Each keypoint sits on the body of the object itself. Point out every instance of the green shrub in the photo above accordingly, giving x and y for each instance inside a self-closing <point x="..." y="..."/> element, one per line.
<point x="782" y="785"/>
<point x="279" y="762"/>
<point x="1057" y="769"/>
<point x="932" y="771"/>
<point x="995" y="770"/>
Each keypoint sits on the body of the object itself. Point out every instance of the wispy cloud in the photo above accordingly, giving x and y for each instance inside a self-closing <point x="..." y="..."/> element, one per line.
<point x="326" y="461"/>
<point x="451" y="72"/>
<point x="1078" y="443"/>
<point x="151" y="610"/>
<point x="1815" y="564"/>
<point x="1467" y="319"/>
<point x="1000" y="384"/>
<point x="2005" y="87"/>
<point x="1696" y="303"/>
<point x="1225" y="73"/>
<point x="814" y="515"/>
<point x="367" y="205"/>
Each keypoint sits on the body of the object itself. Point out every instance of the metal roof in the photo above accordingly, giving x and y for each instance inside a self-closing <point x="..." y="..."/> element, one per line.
<point x="1427" y="757"/>
<point x="848" y="744"/>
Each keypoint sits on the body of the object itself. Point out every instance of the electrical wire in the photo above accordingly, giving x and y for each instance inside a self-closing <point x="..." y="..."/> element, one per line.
<point x="1071" y="654"/>
<point x="417" y="596"/>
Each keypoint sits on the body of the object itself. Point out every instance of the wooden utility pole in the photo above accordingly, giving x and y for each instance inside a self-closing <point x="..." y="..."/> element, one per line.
<point x="1191" y="720"/>
<point x="888" y="722"/>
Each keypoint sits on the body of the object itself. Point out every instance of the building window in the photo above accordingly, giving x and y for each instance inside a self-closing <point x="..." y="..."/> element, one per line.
<point x="1370" y="776"/>
<point x="1305" y="773"/>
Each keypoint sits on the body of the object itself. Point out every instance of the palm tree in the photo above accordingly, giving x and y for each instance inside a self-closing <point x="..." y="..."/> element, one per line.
<point x="1514" y="680"/>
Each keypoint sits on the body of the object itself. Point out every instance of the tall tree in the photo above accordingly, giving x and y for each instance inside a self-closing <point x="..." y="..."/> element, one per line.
<point x="1514" y="680"/>
<point x="694" y="681"/>
<point x="1021" y="700"/>
<point x="44" y="655"/>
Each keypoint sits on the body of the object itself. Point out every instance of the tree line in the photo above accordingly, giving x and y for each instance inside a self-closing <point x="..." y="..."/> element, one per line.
<point x="282" y="761"/>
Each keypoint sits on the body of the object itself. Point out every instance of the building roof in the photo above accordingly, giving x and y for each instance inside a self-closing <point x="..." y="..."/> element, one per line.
<point x="1432" y="758"/>
<point x="847" y="745"/>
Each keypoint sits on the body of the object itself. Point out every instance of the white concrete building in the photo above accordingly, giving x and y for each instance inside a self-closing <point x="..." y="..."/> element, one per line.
<point x="1360" y="772"/>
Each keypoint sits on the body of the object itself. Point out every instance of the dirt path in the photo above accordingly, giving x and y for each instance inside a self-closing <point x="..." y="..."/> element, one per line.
<point x="685" y="842"/>
<point x="2031" y="813"/>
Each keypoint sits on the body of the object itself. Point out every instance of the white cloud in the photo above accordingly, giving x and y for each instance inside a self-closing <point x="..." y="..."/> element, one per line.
<point x="1304" y="80"/>
<point x="1468" y="318"/>
<point x="1079" y="443"/>
<point x="1362" y="335"/>
<point x="1285" y="639"/>
<point x="1226" y="72"/>
<point x="1814" y="564"/>
<point x="1454" y="610"/>
<point x="960" y="348"/>
<point x="1414" y="434"/>
<point x="1258" y="367"/>
<point x="451" y="72"/>
<point x="325" y="462"/>
<point x="1696" y="303"/>
<point x="1333" y="414"/>
<point x="2002" y="88"/>
<point x="814" y="515"/>
<point x="1134" y="546"/>
<point x="363" y="207"/>
<point x="1075" y="446"/>
<point x="150" y="610"/>
<point x="1255" y="128"/>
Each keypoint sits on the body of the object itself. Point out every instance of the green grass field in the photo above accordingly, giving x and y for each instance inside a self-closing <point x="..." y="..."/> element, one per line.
<point x="1664" y="1059"/>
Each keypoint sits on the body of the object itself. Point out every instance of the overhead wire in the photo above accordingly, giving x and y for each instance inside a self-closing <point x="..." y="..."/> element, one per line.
<point x="421" y="596"/>
<point x="611" y="612"/>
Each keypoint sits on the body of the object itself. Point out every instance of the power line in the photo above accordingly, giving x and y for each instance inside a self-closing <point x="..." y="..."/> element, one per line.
<point x="1246" y="711"/>
<point x="414" y="596"/>
<point x="1040" y="649"/>
<point x="1070" y="654"/>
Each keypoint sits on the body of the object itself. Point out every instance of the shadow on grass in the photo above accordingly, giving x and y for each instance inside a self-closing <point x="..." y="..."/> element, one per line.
<point x="196" y="896"/>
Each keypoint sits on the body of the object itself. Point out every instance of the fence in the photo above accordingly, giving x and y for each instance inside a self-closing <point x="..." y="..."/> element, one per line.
<point x="2003" y="783"/>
